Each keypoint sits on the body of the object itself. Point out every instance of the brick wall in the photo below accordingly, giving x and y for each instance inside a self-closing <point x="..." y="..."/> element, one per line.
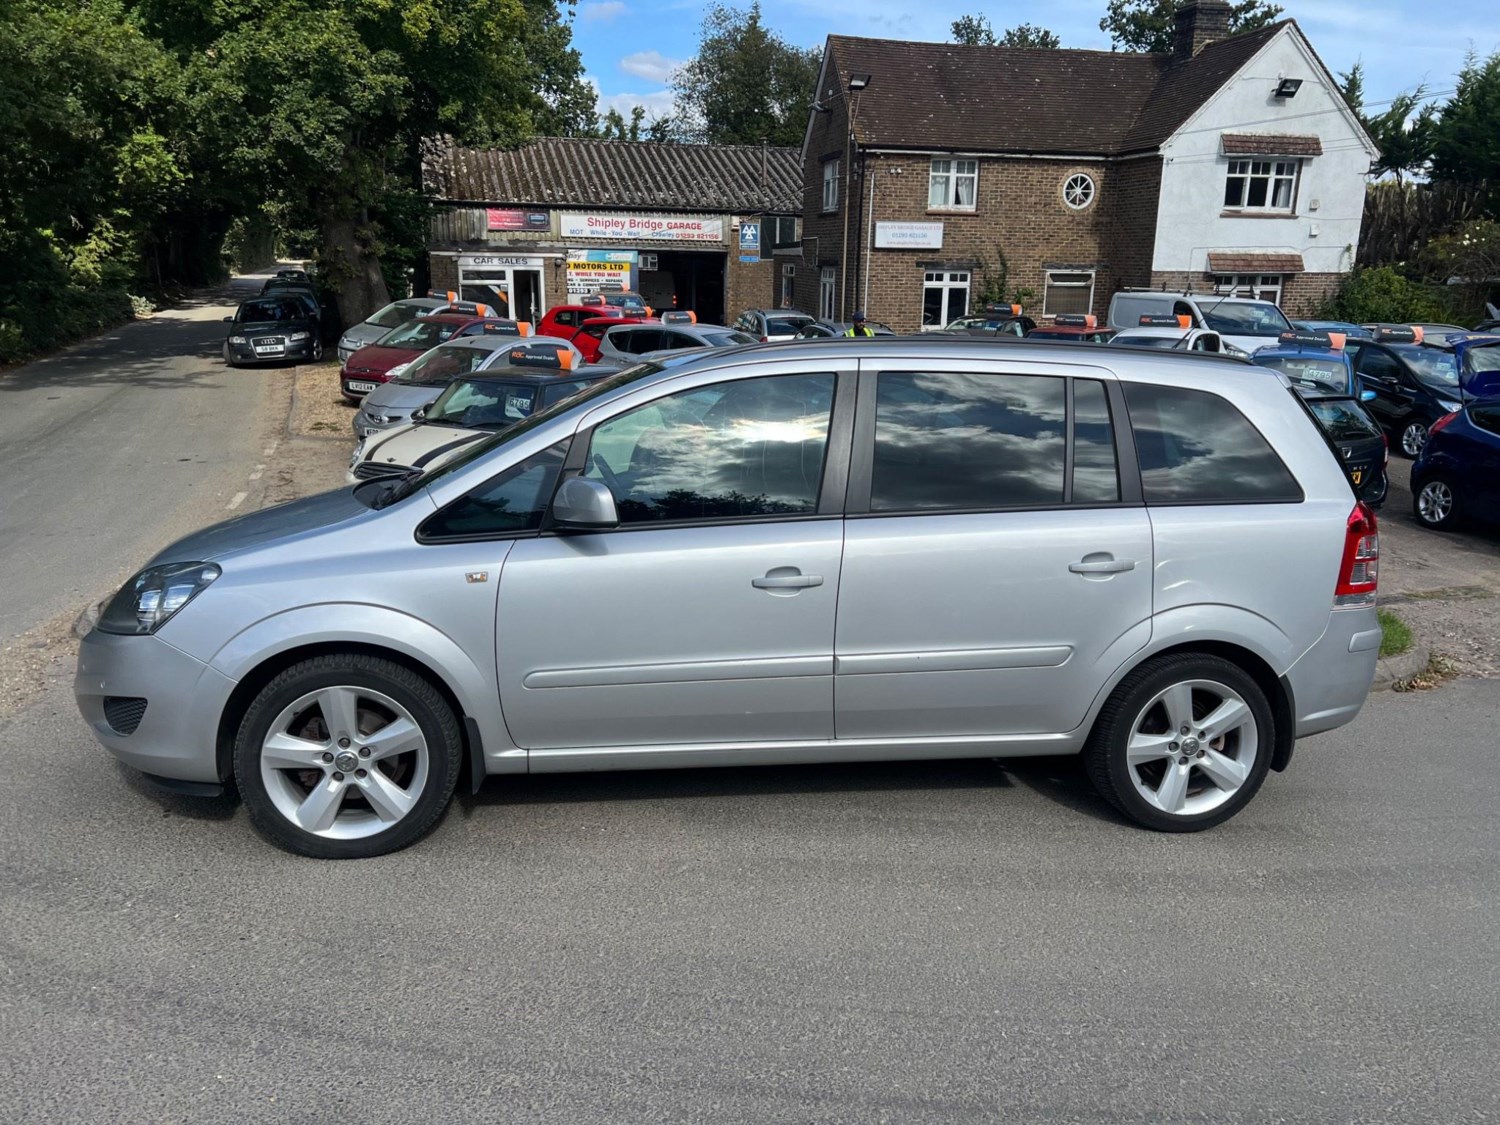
<point x="1020" y="227"/>
<point x="822" y="232"/>
<point x="749" y="285"/>
<point x="1302" y="294"/>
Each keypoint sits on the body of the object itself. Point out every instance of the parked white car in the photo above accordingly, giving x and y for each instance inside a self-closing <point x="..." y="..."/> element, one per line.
<point x="1246" y="323"/>
<point x="1175" y="333"/>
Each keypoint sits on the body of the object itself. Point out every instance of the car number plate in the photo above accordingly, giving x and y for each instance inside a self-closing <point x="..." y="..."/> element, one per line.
<point x="269" y="349"/>
<point x="1358" y="475"/>
<point x="362" y="386"/>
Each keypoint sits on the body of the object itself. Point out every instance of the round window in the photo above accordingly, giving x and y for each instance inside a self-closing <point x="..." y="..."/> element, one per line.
<point x="1078" y="191"/>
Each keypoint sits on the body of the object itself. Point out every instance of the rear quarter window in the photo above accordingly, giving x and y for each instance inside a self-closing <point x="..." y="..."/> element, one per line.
<point x="1195" y="447"/>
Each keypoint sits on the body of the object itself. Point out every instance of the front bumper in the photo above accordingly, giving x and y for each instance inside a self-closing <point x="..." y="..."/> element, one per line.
<point x="1331" y="681"/>
<point x="177" y="736"/>
<point x="246" y="353"/>
<point x="355" y="385"/>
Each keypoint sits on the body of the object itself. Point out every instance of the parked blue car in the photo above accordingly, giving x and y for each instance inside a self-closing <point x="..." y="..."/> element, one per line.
<point x="1457" y="477"/>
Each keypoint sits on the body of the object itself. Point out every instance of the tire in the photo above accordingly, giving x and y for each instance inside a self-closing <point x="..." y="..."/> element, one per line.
<point x="311" y="794"/>
<point x="1207" y="781"/>
<point x="229" y="357"/>
<point x="1436" y="504"/>
<point x="1412" y="438"/>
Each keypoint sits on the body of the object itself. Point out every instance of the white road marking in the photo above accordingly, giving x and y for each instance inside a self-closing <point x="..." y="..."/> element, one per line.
<point x="258" y="470"/>
<point x="239" y="498"/>
<point x="270" y="449"/>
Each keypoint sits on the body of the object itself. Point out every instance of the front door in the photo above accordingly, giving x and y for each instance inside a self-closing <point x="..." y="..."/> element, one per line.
<point x="707" y="616"/>
<point x="1381" y="372"/>
<point x="991" y="582"/>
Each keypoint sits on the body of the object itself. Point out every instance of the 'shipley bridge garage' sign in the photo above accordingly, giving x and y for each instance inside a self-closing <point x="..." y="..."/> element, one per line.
<point x="639" y="228"/>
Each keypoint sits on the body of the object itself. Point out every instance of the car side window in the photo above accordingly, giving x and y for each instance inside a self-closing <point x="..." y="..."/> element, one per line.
<point x="507" y="504"/>
<point x="1374" y="362"/>
<point x="962" y="441"/>
<point x="1096" y="470"/>
<point x="680" y="340"/>
<point x="567" y="318"/>
<point x="751" y="448"/>
<point x="556" y="392"/>
<point x="1195" y="447"/>
<point x="1486" y="418"/>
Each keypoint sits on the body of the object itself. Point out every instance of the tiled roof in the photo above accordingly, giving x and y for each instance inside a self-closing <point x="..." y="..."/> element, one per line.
<point x="1271" y="144"/>
<point x="576" y="172"/>
<point x="946" y="96"/>
<point x="1233" y="261"/>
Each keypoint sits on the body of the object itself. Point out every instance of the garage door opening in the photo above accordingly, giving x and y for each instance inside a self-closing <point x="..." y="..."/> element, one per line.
<point x="685" y="279"/>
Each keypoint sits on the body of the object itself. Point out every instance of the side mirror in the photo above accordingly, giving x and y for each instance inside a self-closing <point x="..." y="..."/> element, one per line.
<point x="419" y="413"/>
<point x="584" y="505"/>
<point x="1366" y="396"/>
<point x="229" y="320"/>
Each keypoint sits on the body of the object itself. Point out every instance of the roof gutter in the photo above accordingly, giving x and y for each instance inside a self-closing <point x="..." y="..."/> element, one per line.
<point x="1109" y="159"/>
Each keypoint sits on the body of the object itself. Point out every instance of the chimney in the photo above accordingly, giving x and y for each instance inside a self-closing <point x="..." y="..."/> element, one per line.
<point x="1199" y="23"/>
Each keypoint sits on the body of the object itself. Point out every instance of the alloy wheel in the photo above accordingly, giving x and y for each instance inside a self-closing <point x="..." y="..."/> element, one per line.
<point x="1435" y="502"/>
<point x="344" y="763"/>
<point x="1413" y="439"/>
<point x="1192" y="747"/>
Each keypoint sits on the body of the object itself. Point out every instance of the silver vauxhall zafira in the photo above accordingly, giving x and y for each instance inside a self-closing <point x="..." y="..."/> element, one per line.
<point x="810" y="552"/>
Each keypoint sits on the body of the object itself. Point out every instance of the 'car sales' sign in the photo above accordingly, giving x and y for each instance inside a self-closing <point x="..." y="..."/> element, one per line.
<point x="585" y="225"/>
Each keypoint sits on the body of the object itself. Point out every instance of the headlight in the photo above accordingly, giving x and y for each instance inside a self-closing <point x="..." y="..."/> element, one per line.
<point x="298" y="337"/>
<point x="1450" y="407"/>
<point x="400" y="367"/>
<point x="359" y="451"/>
<point x="237" y="339"/>
<point x="148" y="601"/>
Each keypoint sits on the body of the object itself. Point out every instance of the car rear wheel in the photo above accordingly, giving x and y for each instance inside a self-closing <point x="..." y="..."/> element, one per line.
<point x="1436" y="504"/>
<point x="1413" y="438"/>
<point x="347" y="756"/>
<point x="1182" y="744"/>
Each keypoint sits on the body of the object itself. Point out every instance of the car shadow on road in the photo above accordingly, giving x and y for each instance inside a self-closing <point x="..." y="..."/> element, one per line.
<point x="1060" y="780"/>
<point x="180" y="804"/>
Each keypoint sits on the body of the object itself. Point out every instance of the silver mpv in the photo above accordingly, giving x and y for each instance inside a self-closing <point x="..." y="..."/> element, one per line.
<point x="830" y="551"/>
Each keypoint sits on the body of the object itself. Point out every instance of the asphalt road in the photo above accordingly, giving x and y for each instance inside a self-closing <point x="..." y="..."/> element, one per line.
<point x="939" y="942"/>
<point x="112" y="448"/>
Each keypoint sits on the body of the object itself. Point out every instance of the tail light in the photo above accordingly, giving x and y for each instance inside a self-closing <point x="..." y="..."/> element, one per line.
<point x="765" y="339"/>
<point x="1441" y="423"/>
<point x="1358" y="573"/>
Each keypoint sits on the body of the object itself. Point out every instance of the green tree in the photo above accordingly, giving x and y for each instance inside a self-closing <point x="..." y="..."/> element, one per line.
<point x="613" y="126"/>
<point x="1150" y="25"/>
<point x="746" y="84"/>
<point x="1466" y="130"/>
<point x="1026" y="35"/>
<point x="1404" y="132"/>
<point x="973" y="31"/>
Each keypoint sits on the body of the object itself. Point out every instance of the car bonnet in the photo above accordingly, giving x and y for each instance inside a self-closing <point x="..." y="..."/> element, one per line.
<point x="254" y="529"/>
<point x="402" y="396"/>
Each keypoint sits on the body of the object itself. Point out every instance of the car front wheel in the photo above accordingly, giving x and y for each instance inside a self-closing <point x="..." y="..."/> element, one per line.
<point x="1413" y="438"/>
<point x="347" y="756"/>
<point x="1183" y="743"/>
<point x="1436" y="504"/>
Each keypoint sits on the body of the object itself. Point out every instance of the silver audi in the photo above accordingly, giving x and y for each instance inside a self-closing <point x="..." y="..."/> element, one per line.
<point x="811" y="552"/>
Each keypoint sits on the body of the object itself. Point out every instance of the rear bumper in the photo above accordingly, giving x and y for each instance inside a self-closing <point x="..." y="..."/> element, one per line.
<point x="1331" y="680"/>
<point x="177" y="735"/>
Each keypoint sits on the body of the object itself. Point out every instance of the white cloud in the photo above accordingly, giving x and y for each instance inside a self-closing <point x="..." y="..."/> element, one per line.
<point x="602" y="11"/>
<point x="658" y="103"/>
<point x="653" y="66"/>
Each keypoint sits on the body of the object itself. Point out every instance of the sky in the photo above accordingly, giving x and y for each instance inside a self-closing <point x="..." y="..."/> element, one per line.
<point x="630" y="47"/>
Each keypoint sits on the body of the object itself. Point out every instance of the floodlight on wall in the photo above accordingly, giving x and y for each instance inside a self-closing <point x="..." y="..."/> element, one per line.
<point x="858" y="82"/>
<point x="1287" y="88"/>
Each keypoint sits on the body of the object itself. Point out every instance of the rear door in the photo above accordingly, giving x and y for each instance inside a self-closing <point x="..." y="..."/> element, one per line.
<point x="997" y="559"/>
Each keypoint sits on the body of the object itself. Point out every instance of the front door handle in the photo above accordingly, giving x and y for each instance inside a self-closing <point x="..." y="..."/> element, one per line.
<point x="1101" y="564"/>
<point x="786" y="578"/>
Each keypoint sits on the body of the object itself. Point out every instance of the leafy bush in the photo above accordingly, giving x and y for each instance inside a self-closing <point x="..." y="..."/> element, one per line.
<point x="1384" y="294"/>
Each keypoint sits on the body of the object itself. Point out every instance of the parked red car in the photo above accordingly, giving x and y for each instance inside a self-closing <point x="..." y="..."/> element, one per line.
<point x="563" y="321"/>
<point x="374" y="364"/>
<point x="1079" y="327"/>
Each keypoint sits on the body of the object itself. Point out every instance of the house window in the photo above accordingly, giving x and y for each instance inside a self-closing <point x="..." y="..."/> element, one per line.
<point x="953" y="183"/>
<point x="830" y="185"/>
<point x="781" y="230"/>
<point x="825" y="293"/>
<point x="945" y="297"/>
<point x="1261" y="185"/>
<point x="1261" y="286"/>
<point x="1068" y="292"/>
<point x="1078" y="190"/>
<point x="788" y="285"/>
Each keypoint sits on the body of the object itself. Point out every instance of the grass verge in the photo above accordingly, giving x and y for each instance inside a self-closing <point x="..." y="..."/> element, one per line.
<point x="1395" y="634"/>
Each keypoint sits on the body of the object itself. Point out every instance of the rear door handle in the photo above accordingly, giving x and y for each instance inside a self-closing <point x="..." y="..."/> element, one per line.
<point x="1105" y="564"/>
<point x="786" y="578"/>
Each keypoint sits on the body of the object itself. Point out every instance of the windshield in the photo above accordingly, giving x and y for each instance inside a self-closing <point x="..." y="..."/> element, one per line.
<point x="1314" y="372"/>
<point x="1246" y="318"/>
<point x="785" y="325"/>
<point x="444" y="364"/>
<point x="481" y="404"/>
<point x="1435" y="367"/>
<point x="402" y="487"/>
<point x="727" y="338"/>
<point x="396" y="314"/>
<point x="252" y="311"/>
<point x="1342" y="419"/>
<point x="421" y="334"/>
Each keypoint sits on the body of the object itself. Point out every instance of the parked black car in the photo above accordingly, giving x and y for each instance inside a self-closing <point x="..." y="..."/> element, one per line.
<point x="271" y="329"/>
<point x="1414" y="384"/>
<point x="1458" y="475"/>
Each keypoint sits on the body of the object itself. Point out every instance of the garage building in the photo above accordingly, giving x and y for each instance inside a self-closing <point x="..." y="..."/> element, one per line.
<point x="688" y="226"/>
